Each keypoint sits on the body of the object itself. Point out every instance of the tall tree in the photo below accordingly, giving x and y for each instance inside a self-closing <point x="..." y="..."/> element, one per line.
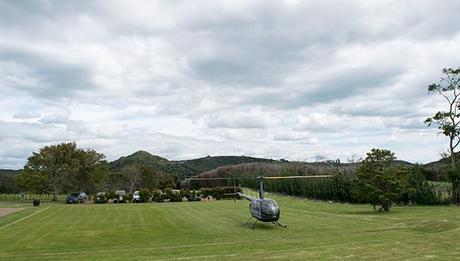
<point x="56" y="166"/>
<point x="92" y="171"/>
<point x="132" y="175"/>
<point x="378" y="182"/>
<point x="448" y="121"/>
<point x="150" y="178"/>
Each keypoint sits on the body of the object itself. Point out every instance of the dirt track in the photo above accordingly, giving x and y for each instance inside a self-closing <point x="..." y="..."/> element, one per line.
<point x="6" y="211"/>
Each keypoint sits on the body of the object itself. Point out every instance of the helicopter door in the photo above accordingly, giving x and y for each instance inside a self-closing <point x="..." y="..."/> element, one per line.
<point x="255" y="209"/>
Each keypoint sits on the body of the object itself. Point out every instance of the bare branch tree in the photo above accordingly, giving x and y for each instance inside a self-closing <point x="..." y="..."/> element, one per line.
<point x="448" y="120"/>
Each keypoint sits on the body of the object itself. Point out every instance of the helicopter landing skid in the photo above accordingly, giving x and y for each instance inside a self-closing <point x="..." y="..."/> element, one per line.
<point x="247" y="222"/>
<point x="278" y="223"/>
<point x="251" y="225"/>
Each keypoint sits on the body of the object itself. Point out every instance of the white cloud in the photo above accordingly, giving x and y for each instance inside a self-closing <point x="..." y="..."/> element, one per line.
<point x="26" y="115"/>
<point x="289" y="79"/>
<point x="238" y="120"/>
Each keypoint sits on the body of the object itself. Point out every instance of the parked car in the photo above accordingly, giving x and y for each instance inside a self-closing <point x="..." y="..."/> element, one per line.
<point x="136" y="197"/>
<point x="120" y="196"/>
<point x="83" y="194"/>
<point x="77" y="197"/>
<point x="100" y="197"/>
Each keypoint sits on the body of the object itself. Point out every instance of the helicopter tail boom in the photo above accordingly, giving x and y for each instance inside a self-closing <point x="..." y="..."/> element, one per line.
<point x="246" y="196"/>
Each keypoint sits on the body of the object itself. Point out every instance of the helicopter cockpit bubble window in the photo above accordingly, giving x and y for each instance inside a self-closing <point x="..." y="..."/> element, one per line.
<point x="269" y="206"/>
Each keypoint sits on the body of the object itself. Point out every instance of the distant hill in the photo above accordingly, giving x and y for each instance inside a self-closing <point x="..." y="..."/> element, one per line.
<point x="444" y="161"/>
<point x="8" y="181"/>
<point x="9" y="171"/>
<point x="208" y="163"/>
<point x="439" y="170"/>
<point x="402" y="163"/>
<point x="139" y="157"/>
<point x="183" y="167"/>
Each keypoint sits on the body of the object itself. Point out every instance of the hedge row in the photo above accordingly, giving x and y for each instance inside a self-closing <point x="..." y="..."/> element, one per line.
<point x="221" y="192"/>
<point x="341" y="187"/>
<point x="170" y="195"/>
<point x="338" y="188"/>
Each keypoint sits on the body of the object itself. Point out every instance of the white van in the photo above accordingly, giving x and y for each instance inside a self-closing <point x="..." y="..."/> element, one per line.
<point x="136" y="197"/>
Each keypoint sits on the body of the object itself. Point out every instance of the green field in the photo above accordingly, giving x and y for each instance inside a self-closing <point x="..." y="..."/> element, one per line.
<point x="214" y="230"/>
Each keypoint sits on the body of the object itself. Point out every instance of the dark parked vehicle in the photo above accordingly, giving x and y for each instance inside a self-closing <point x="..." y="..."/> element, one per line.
<point x="100" y="198"/>
<point x="77" y="197"/>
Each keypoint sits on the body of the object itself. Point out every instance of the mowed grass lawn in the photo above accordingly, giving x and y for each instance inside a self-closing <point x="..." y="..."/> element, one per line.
<point x="214" y="230"/>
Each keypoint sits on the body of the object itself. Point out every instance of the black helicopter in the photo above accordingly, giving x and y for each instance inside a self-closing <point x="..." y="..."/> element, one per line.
<point x="264" y="209"/>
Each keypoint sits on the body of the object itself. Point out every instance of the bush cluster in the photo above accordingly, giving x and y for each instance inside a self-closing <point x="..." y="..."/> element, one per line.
<point x="144" y="195"/>
<point x="338" y="188"/>
<point x="219" y="193"/>
<point x="170" y="195"/>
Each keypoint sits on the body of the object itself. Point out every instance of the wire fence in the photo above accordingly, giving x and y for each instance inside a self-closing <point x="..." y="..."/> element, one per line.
<point x="28" y="197"/>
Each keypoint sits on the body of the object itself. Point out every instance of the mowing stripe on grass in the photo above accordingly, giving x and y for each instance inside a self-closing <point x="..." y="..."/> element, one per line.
<point x="280" y="251"/>
<point x="19" y="220"/>
<point x="85" y="252"/>
<point x="243" y="254"/>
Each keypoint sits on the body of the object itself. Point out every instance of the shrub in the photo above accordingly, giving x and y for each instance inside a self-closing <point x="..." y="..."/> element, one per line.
<point x="127" y="198"/>
<point x="111" y="195"/>
<point x="101" y="198"/>
<point x="420" y="190"/>
<point x="206" y="192"/>
<point x="167" y="194"/>
<point x="194" y="195"/>
<point x="144" y="195"/>
<point x="173" y="196"/>
<point x="378" y="182"/>
<point x="219" y="193"/>
<point x="184" y="193"/>
<point x="157" y="196"/>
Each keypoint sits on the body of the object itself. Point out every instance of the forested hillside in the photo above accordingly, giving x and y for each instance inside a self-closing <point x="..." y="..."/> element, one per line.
<point x="439" y="170"/>
<point x="181" y="168"/>
<point x="8" y="180"/>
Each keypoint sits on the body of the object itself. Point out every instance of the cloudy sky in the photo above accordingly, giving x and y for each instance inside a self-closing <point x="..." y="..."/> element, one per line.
<point x="186" y="79"/>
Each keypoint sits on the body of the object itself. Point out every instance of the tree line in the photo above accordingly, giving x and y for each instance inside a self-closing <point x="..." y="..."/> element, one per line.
<point x="64" y="168"/>
<point x="377" y="180"/>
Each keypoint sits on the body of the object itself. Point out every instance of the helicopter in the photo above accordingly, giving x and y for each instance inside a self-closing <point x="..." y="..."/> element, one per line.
<point x="264" y="209"/>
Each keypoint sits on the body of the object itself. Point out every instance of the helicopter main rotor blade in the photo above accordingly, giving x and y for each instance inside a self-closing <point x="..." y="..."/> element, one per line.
<point x="206" y="178"/>
<point x="198" y="178"/>
<point x="264" y="177"/>
<point x="299" y="177"/>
